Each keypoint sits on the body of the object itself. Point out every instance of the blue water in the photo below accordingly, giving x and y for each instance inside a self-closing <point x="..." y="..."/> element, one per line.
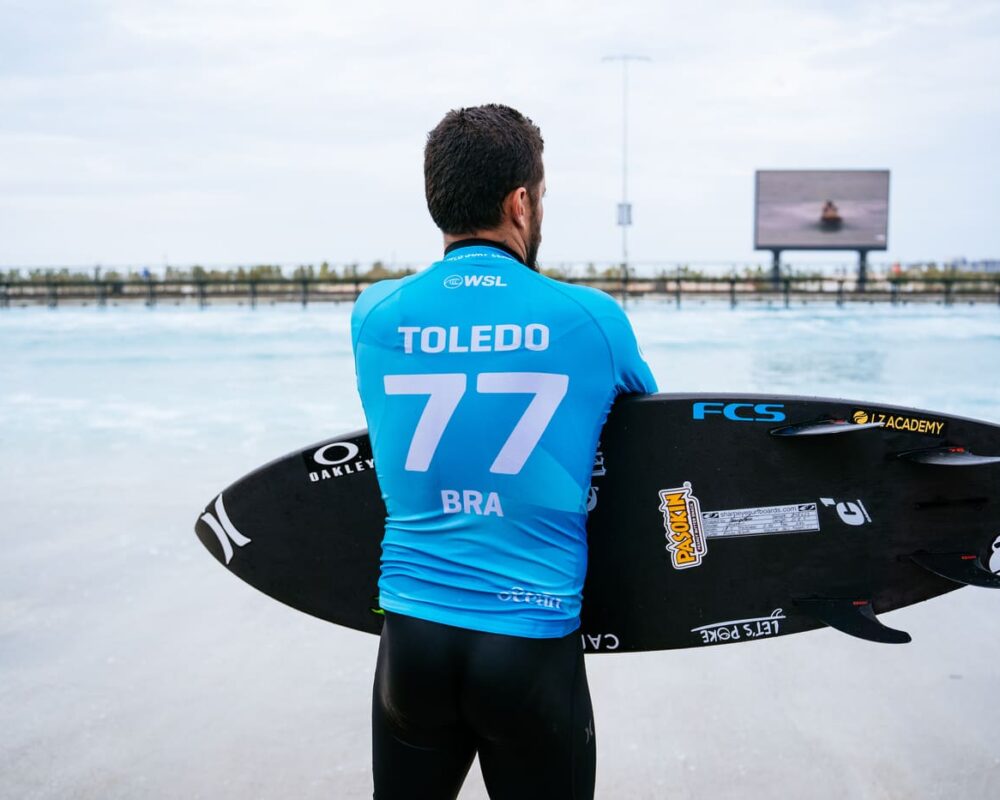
<point x="131" y="665"/>
<point x="95" y="381"/>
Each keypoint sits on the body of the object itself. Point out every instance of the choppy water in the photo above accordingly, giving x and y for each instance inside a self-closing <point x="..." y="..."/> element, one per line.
<point x="132" y="666"/>
<point x="275" y="377"/>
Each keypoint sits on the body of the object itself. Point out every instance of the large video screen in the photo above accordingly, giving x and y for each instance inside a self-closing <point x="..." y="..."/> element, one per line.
<point x="822" y="210"/>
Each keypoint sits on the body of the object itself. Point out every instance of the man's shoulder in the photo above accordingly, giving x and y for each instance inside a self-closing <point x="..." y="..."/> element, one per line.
<point x="376" y="292"/>
<point x="373" y="296"/>
<point x="599" y="304"/>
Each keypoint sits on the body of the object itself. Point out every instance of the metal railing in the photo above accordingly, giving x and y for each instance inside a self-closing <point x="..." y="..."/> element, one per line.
<point x="732" y="289"/>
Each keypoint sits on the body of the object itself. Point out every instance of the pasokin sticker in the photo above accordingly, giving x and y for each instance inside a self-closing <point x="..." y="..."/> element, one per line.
<point x="682" y="523"/>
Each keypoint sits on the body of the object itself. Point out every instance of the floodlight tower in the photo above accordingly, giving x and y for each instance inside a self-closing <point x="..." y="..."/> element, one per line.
<point x="625" y="207"/>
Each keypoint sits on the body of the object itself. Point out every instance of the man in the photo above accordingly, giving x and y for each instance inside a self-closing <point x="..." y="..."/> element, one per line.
<point x="486" y="385"/>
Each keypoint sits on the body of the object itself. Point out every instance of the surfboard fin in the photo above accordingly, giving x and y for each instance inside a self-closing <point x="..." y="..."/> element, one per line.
<point x="965" y="568"/>
<point x="823" y="427"/>
<point x="947" y="457"/>
<point x="853" y="617"/>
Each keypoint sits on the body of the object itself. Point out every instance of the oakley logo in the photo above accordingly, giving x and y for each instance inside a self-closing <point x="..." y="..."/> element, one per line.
<point x="334" y="460"/>
<point x="324" y="456"/>
<point x="740" y="412"/>
<point x="224" y="529"/>
<point x="456" y="281"/>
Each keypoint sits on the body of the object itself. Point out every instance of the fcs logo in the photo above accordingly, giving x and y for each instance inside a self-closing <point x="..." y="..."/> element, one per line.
<point x="759" y="412"/>
<point x="224" y="529"/>
<point x="457" y="281"/>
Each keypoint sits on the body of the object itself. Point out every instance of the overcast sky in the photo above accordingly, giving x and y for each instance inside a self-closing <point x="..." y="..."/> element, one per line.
<point x="219" y="131"/>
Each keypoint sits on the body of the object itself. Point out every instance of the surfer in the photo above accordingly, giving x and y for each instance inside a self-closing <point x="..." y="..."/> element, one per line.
<point x="486" y="385"/>
<point x="829" y="217"/>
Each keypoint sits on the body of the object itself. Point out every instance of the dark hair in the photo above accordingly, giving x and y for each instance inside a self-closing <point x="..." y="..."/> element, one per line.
<point x="474" y="158"/>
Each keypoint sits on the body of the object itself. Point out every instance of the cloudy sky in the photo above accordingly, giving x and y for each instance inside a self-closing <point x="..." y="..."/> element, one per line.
<point x="224" y="131"/>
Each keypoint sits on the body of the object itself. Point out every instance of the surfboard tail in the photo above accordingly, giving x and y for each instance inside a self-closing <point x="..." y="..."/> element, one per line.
<point x="948" y="456"/>
<point x="824" y="426"/>
<point x="853" y="617"/>
<point x="964" y="568"/>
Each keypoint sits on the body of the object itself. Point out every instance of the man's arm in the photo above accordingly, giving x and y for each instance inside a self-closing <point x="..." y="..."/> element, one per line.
<point x="632" y="373"/>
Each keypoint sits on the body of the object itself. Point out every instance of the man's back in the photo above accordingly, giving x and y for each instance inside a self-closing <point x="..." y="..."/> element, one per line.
<point x="486" y="386"/>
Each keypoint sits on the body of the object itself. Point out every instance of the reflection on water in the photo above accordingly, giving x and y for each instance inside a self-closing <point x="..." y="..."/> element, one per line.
<point x="785" y="372"/>
<point x="924" y="356"/>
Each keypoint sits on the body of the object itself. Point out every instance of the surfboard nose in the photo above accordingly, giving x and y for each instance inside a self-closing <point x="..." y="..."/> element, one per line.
<point x="216" y="531"/>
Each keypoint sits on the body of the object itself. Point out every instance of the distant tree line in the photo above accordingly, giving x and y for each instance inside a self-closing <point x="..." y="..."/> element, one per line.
<point x="260" y="272"/>
<point x="378" y="270"/>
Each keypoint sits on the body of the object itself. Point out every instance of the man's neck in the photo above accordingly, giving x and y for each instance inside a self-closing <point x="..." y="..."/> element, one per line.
<point x="512" y="244"/>
<point x="473" y="241"/>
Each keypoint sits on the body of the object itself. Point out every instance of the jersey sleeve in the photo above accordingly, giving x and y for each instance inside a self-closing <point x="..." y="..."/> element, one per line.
<point x="632" y="373"/>
<point x="366" y="301"/>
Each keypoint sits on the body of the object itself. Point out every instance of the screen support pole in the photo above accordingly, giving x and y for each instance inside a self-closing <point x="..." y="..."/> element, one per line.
<point x="775" y="268"/>
<point x="625" y="207"/>
<point x="862" y="269"/>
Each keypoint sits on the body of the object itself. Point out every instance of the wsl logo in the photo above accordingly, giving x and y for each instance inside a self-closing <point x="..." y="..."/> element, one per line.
<point x="740" y="412"/>
<point x="224" y="530"/>
<point x="486" y="281"/>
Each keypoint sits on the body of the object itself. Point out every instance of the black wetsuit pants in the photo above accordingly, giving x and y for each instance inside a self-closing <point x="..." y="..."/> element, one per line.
<point x="443" y="695"/>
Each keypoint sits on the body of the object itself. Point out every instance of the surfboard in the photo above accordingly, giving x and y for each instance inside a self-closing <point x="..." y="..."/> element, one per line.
<point x="712" y="520"/>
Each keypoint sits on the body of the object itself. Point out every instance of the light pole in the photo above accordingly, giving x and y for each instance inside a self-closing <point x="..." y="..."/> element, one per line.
<point x="625" y="207"/>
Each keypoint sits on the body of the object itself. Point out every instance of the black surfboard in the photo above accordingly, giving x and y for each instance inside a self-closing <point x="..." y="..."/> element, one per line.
<point x="713" y="519"/>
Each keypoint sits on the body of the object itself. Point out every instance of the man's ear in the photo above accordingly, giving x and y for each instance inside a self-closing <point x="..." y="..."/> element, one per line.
<point x="518" y="208"/>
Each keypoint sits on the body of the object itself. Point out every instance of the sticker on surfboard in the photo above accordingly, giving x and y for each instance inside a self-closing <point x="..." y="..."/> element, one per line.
<point x="682" y="525"/>
<point x="761" y="521"/>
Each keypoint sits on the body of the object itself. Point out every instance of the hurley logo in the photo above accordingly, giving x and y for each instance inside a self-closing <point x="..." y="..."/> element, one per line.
<point x="224" y="529"/>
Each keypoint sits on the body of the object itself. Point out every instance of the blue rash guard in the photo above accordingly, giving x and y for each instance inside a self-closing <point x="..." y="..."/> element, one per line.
<point x="485" y="386"/>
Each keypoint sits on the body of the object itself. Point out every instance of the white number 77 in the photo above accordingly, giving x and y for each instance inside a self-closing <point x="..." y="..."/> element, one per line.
<point x="445" y="390"/>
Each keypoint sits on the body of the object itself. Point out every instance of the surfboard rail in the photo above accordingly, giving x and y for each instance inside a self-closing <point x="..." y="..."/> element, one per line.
<point x="791" y="537"/>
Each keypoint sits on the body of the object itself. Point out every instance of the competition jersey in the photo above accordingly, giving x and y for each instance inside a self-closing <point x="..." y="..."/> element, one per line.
<point x="485" y="386"/>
